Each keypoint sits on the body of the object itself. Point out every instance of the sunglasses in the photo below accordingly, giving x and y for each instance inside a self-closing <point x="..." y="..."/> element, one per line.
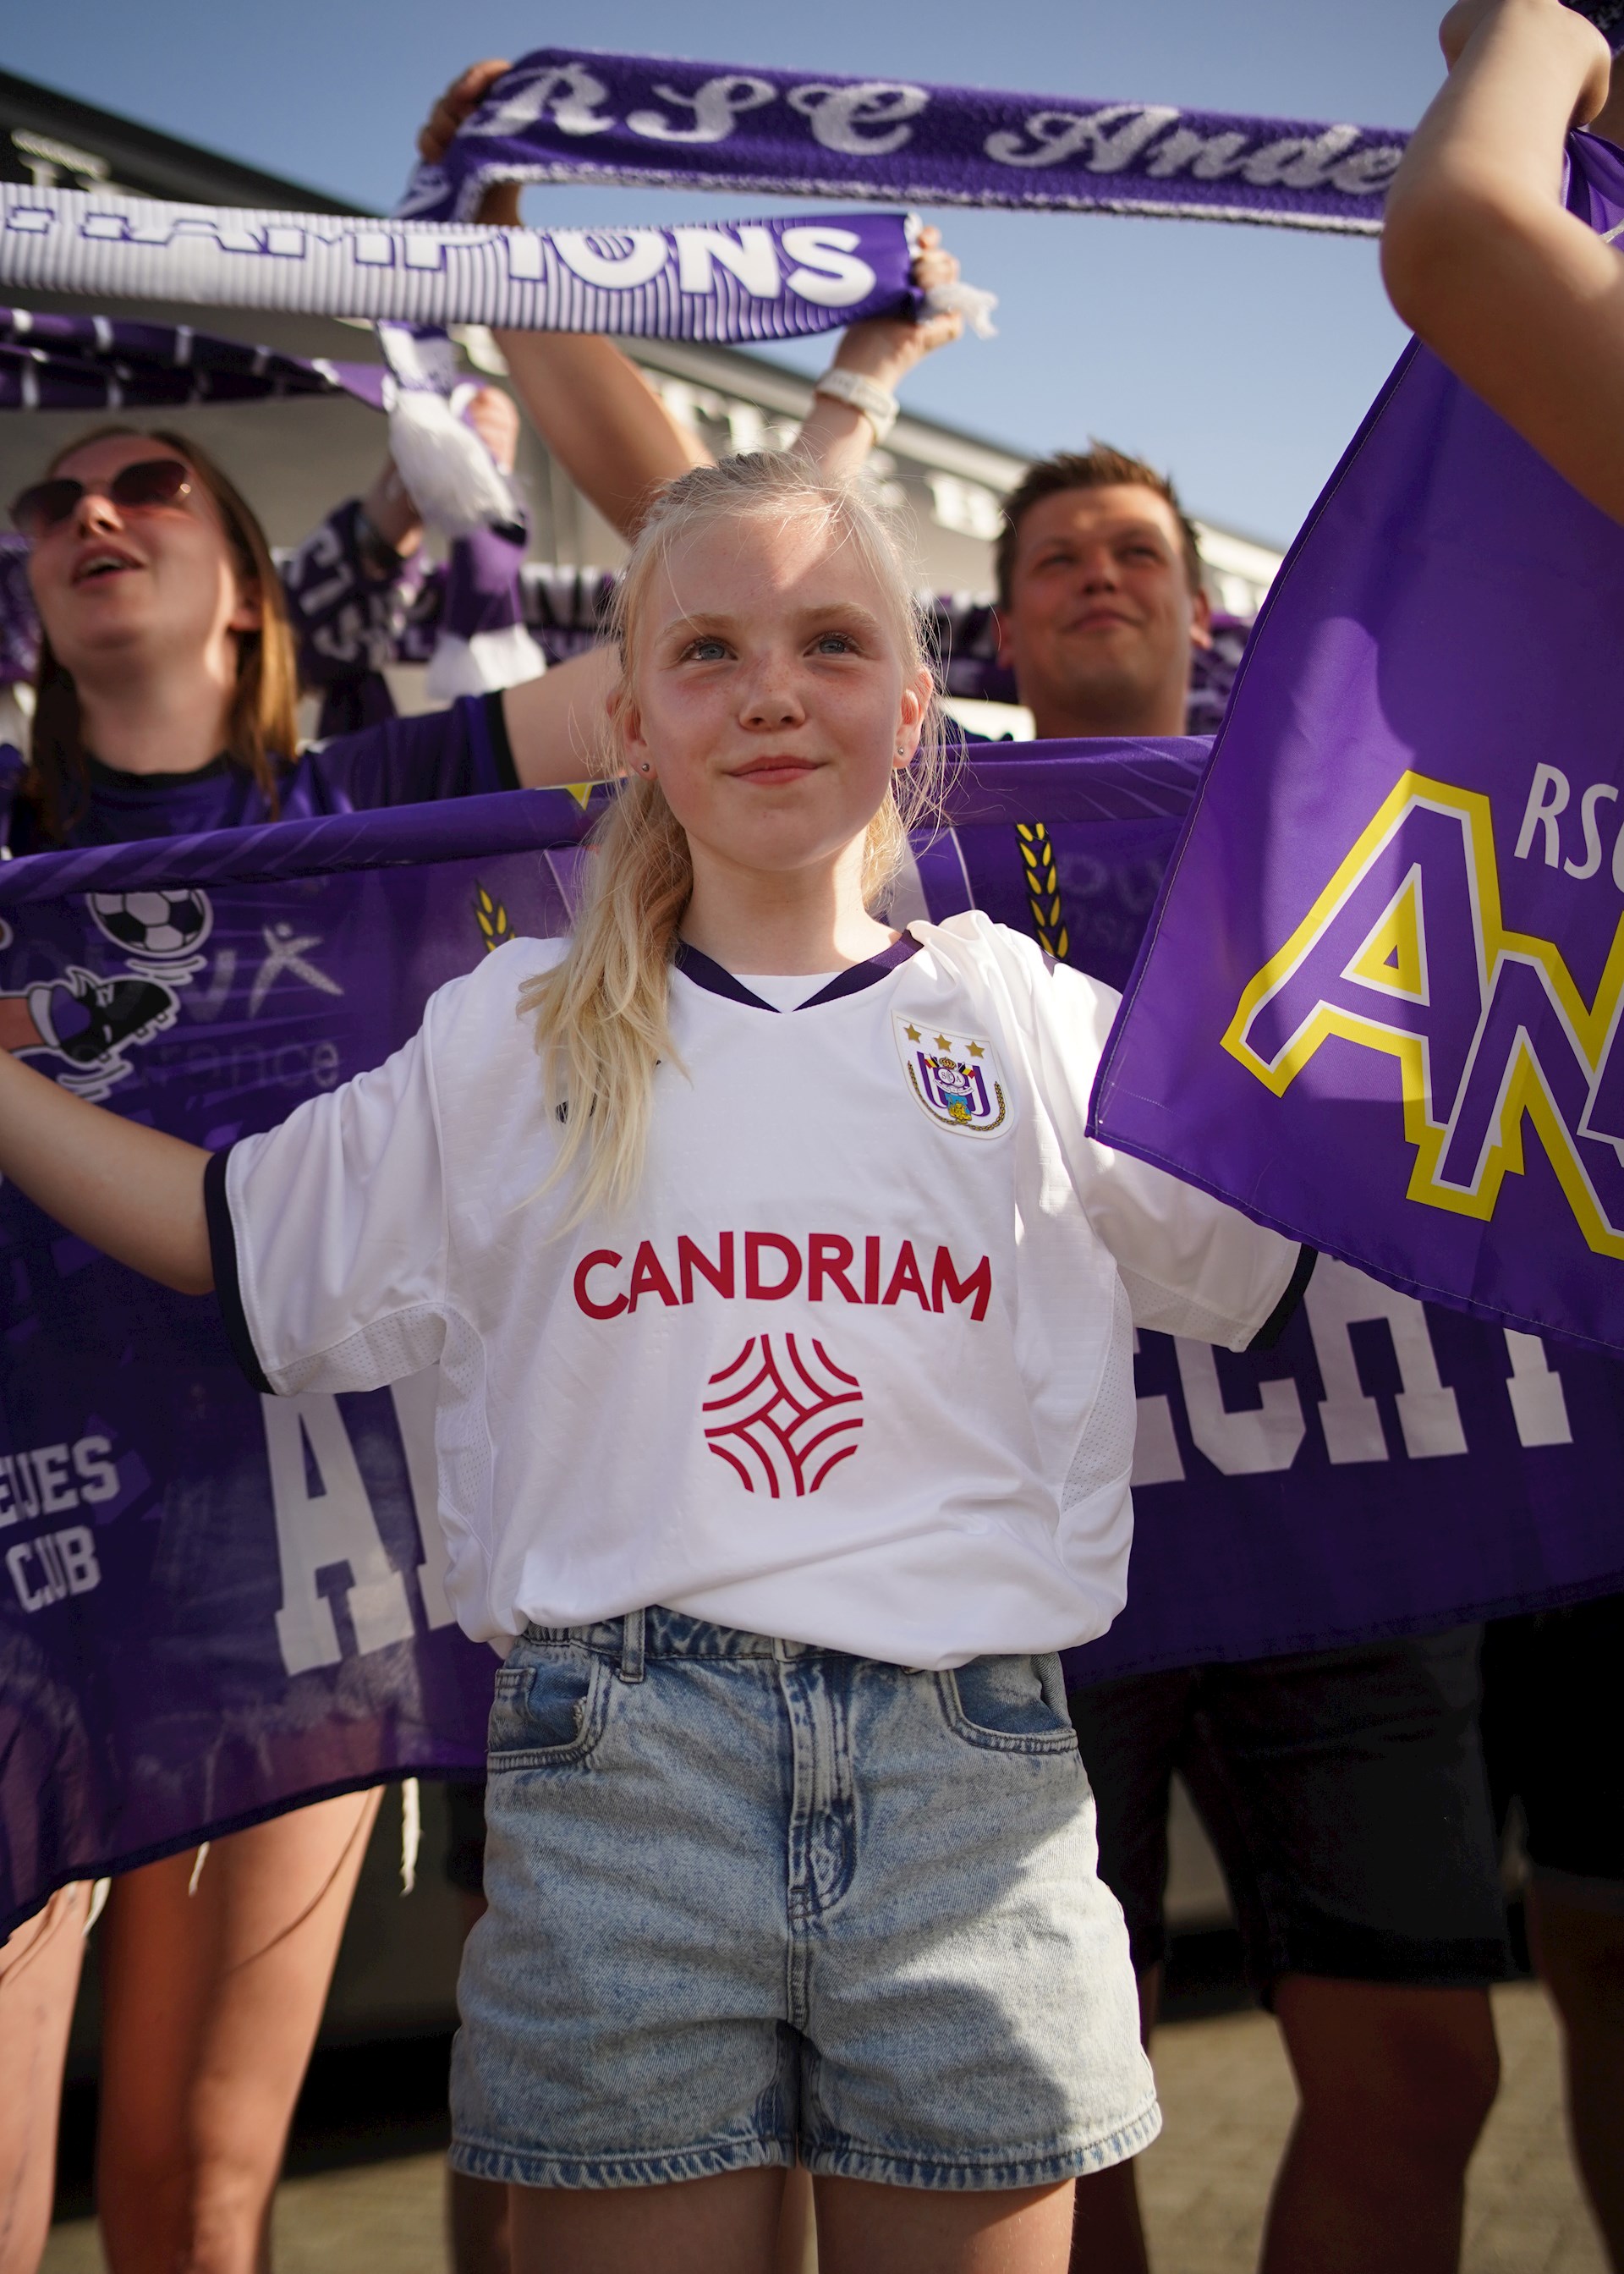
<point x="148" y="483"/>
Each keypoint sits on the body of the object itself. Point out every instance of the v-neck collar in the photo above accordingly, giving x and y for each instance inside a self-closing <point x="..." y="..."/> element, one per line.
<point x="703" y="973"/>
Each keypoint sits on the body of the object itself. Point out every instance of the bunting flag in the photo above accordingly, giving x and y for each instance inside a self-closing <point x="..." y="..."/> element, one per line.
<point x="765" y="280"/>
<point x="1380" y="1004"/>
<point x="572" y="115"/>
<point x="214" y="1606"/>
<point x="105" y="363"/>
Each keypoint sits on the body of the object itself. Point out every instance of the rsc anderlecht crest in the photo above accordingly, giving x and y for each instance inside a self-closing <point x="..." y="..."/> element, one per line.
<point x="956" y="1077"/>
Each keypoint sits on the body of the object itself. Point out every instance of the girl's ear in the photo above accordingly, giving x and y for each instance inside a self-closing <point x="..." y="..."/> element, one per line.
<point x="249" y="614"/>
<point x="626" y="722"/>
<point x="916" y="694"/>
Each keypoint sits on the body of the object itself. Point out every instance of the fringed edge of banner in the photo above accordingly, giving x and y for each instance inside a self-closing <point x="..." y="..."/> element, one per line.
<point x="561" y="172"/>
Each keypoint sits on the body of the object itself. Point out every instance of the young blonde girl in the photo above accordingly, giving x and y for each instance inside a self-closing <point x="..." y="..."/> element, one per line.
<point x="782" y="1312"/>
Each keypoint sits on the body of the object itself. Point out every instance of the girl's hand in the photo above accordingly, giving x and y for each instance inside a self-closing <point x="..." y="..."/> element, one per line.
<point x="494" y="418"/>
<point x="455" y="107"/>
<point x="887" y="348"/>
<point x="499" y="206"/>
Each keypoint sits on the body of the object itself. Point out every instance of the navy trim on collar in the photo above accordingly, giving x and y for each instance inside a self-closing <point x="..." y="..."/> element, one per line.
<point x="715" y="980"/>
<point x="856" y="976"/>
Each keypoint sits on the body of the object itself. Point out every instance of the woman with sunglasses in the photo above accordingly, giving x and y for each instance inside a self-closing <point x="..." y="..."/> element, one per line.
<point x="166" y="694"/>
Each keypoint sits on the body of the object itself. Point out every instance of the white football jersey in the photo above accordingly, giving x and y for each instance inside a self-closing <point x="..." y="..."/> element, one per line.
<point x="854" y="1367"/>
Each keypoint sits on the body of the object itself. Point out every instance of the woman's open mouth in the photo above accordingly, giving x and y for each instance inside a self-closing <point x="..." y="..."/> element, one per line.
<point x="96" y="566"/>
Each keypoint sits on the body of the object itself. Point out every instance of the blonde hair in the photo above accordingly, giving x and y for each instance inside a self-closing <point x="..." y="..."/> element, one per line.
<point x="601" y="1015"/>
<point x="261" y="729"/>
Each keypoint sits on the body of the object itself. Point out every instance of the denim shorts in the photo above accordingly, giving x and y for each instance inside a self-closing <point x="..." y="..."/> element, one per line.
<point x="751" y="1899"/>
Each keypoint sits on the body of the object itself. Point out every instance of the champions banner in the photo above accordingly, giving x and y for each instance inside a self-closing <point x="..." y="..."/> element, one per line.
<point x="1380" y="1006"/>
<point x="765" y="280"/>
<point x="214" y="1605"/>
<point x="571" y="115"/>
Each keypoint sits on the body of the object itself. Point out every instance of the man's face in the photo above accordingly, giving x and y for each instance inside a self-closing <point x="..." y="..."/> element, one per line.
<point x="1101" y="617"/>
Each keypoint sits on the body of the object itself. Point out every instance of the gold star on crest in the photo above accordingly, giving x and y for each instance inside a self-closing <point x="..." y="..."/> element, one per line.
<point x="911" y="1033"/>
<point x="975" y="1050"/>
<point x="945" y="1043"/>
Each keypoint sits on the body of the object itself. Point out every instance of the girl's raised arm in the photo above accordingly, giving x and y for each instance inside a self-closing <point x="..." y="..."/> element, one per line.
<point x="1520" y="299"/>
<point x="128" y="1190"/>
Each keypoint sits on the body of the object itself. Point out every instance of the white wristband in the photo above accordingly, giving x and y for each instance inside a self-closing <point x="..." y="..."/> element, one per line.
<point x="878" y="404"/>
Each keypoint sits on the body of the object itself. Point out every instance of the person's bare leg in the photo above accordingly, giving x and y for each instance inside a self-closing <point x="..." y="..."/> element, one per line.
<point x="1108" y="2235"/>
<point x="476" y="2211"/>
<point x="865" y="2229"/>
<point x="796" y="2252"/>
<point x="39" y="1979"/>
<point x="722" y="2226"/>
<point x="210" y="2006"/>
<point x="1396" y="2084"/>
<point x="1579" y="1954"/>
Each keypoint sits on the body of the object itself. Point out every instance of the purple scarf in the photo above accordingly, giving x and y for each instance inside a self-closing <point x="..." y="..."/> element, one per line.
<point x="570" y="115"/>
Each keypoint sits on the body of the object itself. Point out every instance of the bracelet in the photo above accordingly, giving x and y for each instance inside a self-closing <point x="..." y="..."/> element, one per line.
<point x="878" y="404"/>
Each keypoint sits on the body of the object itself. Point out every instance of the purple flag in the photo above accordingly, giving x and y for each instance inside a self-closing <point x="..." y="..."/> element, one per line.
<point x="1379" y="1005"/>
<point x="572" y="115"/>
<point x="213" y="1606"/>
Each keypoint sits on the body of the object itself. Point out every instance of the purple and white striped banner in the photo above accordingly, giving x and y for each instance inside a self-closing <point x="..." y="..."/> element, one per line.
<point x="723" y="281"/>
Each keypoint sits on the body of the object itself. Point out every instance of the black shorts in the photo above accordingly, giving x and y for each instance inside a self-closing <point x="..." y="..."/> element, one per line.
<point x="465" y="1835"/>
<point x="1344" y="1792"/>
<point x="1553" y="1733"/>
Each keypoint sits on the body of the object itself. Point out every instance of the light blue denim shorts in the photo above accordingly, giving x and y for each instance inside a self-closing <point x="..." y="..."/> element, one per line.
<point x="751" y="1900"/>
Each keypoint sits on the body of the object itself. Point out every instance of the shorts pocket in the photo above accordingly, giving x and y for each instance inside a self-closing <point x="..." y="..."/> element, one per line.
<point x="549" y="1708"/>
<point x="1003" y="1705"/>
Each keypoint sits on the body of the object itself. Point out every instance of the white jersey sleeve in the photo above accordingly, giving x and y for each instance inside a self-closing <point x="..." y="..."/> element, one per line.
<point x="329" y="1235"/>
<point x="1190" y="1264"/>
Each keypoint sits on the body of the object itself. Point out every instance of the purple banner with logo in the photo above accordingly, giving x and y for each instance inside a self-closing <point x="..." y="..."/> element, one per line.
<point x="572" y="115"/>
<point x="1380" y="1003"/>
<point x="213" y="1606"/>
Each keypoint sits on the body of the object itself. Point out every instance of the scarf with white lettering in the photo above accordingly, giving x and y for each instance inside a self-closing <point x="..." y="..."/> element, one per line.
<point x="570" y="115"/>
<point x="717" y="281"/>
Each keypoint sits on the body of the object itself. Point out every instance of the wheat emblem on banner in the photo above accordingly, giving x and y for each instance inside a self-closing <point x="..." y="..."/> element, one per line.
<point x="491" y="917"/>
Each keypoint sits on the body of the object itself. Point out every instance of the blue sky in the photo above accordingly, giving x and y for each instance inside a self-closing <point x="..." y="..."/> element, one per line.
<point x="1242" y="359"/>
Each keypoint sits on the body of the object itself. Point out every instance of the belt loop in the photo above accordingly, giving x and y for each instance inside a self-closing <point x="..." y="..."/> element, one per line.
<point x="631" y="1647"/>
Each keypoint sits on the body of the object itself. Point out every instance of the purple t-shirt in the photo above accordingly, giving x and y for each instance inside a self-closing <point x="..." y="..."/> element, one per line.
<point x="461" y="752"/>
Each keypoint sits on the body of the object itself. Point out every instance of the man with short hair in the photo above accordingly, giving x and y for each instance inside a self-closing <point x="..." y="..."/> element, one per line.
<point x="1100" y="596"/>
<point x="1344" y="1790"/>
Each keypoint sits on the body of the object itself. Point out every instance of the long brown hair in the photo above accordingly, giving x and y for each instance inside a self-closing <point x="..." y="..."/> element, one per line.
<point x="262" y="721"/>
